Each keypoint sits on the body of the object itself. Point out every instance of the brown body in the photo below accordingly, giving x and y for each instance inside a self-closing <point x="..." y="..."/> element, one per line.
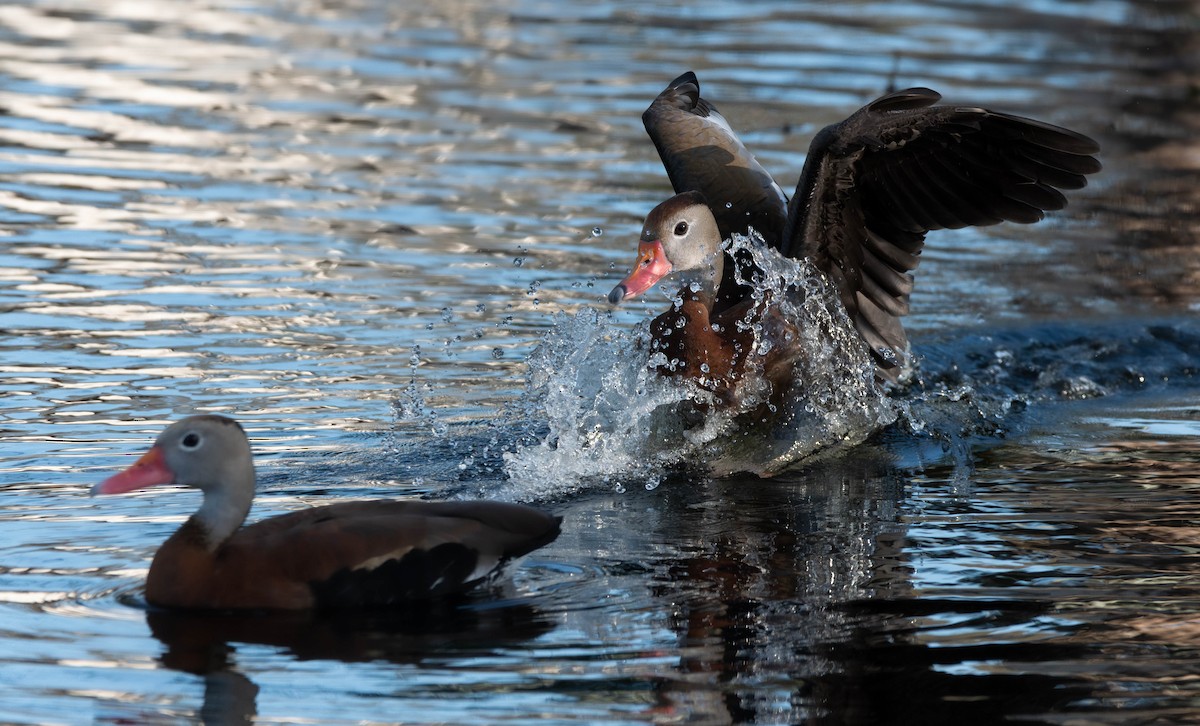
<point x="354" y="554"/>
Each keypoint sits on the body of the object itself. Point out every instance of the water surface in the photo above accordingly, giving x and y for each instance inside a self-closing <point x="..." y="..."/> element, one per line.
<point x="351" y="224"/>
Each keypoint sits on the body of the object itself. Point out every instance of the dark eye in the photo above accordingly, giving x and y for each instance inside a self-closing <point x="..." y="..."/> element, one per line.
<point x="681" y="229"/>
<point x="190" y="441"/>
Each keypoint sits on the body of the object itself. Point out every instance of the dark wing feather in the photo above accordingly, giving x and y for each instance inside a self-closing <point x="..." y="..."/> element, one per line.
<point x="702" y="153"/>
<point x="875" y="184"/>
<point x="384" y="552"/>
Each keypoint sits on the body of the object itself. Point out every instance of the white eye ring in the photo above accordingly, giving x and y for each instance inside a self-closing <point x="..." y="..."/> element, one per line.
<point x="191" y="441"/>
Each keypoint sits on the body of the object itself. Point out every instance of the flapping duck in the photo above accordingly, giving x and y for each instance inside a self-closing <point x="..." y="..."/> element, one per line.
<point x="871" y="188"/>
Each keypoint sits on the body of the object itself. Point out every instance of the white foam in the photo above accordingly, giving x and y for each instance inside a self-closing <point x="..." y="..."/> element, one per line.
<point x="612" y="418"/>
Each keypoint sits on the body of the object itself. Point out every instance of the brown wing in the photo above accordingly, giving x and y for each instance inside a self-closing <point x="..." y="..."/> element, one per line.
<point x="386" y="552"/>
<point x="875" y="184"/>
<point x="701" y="153"/>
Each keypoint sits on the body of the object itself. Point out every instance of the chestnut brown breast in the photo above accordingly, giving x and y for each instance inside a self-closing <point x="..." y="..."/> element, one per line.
<point x="714" y="349"/>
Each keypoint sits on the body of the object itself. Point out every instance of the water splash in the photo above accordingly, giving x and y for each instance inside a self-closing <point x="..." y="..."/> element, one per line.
<point x="611" y="418"/>
<point x="595" y="413"/>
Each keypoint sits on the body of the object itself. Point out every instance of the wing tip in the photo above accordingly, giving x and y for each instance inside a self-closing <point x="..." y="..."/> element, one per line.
<point x="685" y="78"/>
<point x="682" y="94"/>
<point x="1048" y="135"/>
<point x="907" y="99"/>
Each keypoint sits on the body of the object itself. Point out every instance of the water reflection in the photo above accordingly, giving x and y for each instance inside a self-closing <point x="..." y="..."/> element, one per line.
<point x="859" y="591"/>
<point x="1025" y="573"/>
<point x="1152" y="206"/>
<point x="206" y="644"/>
<point x="750" y="574"/>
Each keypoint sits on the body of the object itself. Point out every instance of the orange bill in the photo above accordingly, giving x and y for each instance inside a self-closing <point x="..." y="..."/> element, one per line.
<point x="652" y="265"/>
<point x="149" y="470"/>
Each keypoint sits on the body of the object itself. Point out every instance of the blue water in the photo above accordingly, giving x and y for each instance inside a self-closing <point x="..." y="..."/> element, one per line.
<point x="351" y="225"/>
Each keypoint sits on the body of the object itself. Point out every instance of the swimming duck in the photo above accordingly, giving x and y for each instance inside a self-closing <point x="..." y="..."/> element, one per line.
<point x="350" y="554"/>
<point x="872" y="186"/>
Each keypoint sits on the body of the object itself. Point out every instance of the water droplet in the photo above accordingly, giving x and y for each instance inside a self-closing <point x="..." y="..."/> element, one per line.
<point x="704" y="368"/>
<point x="596" y="232"/>
<point x="447" y="315"/>
<point x="518" y="261"/>
<point x="619" y="488"/>
<point x="497" y="353"/>
<point x="481" y="308"/>
<point x="729" y="205"/>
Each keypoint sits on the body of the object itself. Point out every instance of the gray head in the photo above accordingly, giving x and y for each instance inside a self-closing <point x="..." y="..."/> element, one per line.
<point x="679" y="236"/>
<point x="198" y="451"/>
<point x="208" y="452"/>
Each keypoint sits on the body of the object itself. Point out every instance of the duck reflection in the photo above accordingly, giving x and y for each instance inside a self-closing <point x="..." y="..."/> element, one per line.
<point x="205" y="643"/>
<point x="794" y="603"/>
<point x="756" y="573"/>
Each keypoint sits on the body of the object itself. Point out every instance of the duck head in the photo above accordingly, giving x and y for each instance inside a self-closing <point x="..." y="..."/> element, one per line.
<point x="679" y="236"/>
<point x="208" y="452"/>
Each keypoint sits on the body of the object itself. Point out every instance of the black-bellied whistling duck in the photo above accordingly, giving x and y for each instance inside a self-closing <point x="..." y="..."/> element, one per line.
<point x="872" y="186"/>
<point x="351" y="554"/>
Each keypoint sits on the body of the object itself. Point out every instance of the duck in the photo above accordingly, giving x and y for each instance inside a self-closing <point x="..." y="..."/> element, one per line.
<point x="360" y="554"/>
<point x="871" y="188"/>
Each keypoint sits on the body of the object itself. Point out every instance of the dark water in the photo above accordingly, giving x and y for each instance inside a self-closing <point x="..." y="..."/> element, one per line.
<point x="351" y="224"/>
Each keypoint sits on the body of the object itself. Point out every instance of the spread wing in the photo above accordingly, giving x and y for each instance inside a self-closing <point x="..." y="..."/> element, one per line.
<point x="702" y="153"/>
<point x="876" y="183"/>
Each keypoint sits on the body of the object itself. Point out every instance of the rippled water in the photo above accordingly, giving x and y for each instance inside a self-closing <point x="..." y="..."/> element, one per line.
<point x="351" y="224"/>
